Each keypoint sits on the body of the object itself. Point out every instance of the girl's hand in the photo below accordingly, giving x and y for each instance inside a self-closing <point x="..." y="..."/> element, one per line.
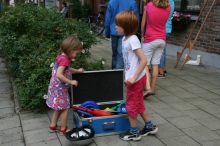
<point x="74" y="82"/>
<point x="81" y="70"/>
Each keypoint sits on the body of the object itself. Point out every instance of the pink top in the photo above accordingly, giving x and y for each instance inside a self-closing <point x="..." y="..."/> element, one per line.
<point x="63" y="61"/>
<point x="156" y="22"/>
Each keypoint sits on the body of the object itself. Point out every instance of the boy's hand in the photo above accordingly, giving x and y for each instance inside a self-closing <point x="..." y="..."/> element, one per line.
<point x="81" y="70"/>
<point x="129" y="81"/>
<point x="74" y="82"/>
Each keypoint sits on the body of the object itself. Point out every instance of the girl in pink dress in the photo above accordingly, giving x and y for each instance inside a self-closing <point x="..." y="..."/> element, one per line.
<point x="58" y="97"/>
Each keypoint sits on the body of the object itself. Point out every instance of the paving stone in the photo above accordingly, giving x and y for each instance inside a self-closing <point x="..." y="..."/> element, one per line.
<point x="161" y="92"/>
<point x="10" y="135"/>
<point x="30" y="115"/>
<point x="208" y="96"/>
<point x="169" y="112"/>
<point x="168" y="131"/>
<point x="9" y="122"/>
<point x="211" y="123"/>
<point x="201" y="134"/>
<point x="38" y="135"/>
<point x="212" y="109"/>
<point x="217" y="115"/>
<point x="149" y="140"/>
<point x="157" y="119"/>
<point x="215" y="82"/>
<point x="5" y="85"/>
<point x="217" y="131"/>
<point x="155" y="103"/>
<point x="208" y="86"/>
<point x="5" y="96"/>
<point x="6" y="103"/>
<point x="184" y="95"/>
<point x="173" y="89"/>
<point x="196" y="89"/>
<point x="7" y="111"/>
<point x="216" y="101"/>
<point x="183" y="122"/>
<point x="198" y="101"/>
<point x="35" y="123"/>
<point x="180" y="141"/>
<point x="211" y="143"/>
<point x="216" y="91"/>
<point x="14" y="143"/>
<point x="163" y="83"/>
<point x="5" y="91"/>
<point x="197" y="114"/>
<point x="170" y="99"/>
<point x="54" y="142"/>
<point x="4" y="80"/>
<point x="185" y="84"/>
<point x="183" y="106"/>
<point x="112" y="140"/>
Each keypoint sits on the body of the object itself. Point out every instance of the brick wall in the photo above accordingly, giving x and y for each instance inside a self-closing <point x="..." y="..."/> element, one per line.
<point x="206" y="41"/>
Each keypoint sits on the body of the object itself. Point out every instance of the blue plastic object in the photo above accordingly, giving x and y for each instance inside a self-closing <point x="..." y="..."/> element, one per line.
<point x="89" y="105"/>
<point x="84" y="113"/>
<point x="122" y="108"/>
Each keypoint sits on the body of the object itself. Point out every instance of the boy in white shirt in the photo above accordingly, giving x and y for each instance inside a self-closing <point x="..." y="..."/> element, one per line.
<point x="135" y="76"/>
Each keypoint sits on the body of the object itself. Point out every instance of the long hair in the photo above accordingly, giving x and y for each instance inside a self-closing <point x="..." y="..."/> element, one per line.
<point x="161" y="3"/>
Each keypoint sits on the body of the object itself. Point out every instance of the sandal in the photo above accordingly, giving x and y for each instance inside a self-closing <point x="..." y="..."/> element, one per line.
<point x="148" y="93"/>
<point x="54" y="128"/>
<point x="63" y="132"/>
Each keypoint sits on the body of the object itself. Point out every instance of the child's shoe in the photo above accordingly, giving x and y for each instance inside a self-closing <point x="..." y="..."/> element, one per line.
<point x="54" y="129"/>
<point x="146" y="130"/>
<point x="128" y="135"/>
<point x="63" y="132"/>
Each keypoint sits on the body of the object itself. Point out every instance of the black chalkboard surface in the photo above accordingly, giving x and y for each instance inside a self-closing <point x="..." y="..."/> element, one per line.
<point x="98" y="86"/>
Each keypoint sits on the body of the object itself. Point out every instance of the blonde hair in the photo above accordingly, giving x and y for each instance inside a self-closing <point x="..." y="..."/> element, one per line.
<point x="71" y="44"/>
<point x="161" y="3"/>
<point x="128" y="21"/>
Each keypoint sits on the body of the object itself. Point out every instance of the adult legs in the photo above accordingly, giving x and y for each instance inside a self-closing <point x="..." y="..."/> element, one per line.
<point x="117" y="58"/>
<point x="114" y="51"/>
<point x="162" y="65"/>
<point x="154" y="77"/>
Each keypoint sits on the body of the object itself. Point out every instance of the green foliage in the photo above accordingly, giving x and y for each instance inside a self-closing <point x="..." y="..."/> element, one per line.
<point x="30" y="39"/>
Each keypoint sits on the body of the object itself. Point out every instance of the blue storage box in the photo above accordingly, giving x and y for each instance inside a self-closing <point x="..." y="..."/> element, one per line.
<point x="106" y="87"/>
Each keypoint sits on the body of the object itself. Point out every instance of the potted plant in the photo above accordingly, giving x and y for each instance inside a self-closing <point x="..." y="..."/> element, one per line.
<point x="180" y="20"/>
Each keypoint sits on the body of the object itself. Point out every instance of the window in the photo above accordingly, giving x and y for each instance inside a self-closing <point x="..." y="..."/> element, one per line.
<point x="187" y="6"/>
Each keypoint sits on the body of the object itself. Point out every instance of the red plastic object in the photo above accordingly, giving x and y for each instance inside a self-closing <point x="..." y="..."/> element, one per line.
<point x="94" y="112"/>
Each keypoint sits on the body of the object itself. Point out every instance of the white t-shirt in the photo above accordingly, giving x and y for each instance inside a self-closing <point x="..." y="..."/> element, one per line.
<point x="131" y="60"/>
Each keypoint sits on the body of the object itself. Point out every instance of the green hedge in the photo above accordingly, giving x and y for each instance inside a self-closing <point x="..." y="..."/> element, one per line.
<point x="30" y="39"/>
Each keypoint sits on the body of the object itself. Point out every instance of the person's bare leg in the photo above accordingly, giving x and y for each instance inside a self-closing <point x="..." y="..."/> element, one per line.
<point x="133" y="121"/>
<point x="145" y="116"/>
<point x="161" y="71"/>
<point x="154" y="77"/>
<point x="63" y="119"/>
<point x="55" y="117"/>
<point x="148" y="87"/>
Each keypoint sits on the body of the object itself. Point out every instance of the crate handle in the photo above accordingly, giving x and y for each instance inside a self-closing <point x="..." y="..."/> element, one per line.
<point x="106" y="126"/>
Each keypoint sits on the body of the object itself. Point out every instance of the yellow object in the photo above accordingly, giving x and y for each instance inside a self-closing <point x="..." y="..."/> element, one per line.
<point x="107" y="109"/>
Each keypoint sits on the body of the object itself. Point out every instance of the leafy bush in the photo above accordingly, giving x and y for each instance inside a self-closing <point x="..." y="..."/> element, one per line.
<point x="79" y="11"/>
<point x="30" y="39"/>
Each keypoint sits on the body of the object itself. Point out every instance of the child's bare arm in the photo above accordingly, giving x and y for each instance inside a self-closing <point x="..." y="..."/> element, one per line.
<point x="80" y="70"/>
<point x="62" y="78"/>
